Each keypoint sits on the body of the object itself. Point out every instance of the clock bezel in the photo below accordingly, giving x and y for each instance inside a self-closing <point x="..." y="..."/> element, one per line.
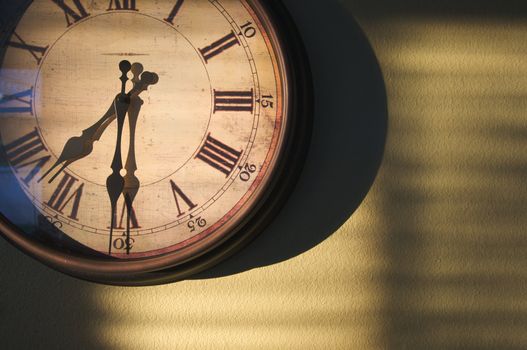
<point x="283" y="179"/>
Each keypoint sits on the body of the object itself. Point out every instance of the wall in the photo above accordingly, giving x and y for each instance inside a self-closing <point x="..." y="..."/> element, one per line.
<point x="433" y="258"/>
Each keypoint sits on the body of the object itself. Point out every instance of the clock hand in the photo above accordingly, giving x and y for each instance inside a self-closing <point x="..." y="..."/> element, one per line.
<point x="131" y="182"/>
<point x="115" y="182"/>
<point x="79" y="147"/>
<point x="147" y="79"/>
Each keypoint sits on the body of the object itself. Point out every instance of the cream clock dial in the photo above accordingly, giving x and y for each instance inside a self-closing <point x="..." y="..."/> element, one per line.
<point x="144" y="134"/>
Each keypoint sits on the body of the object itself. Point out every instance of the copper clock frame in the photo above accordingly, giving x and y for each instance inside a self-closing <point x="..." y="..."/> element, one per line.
<point x="295" y="71"/>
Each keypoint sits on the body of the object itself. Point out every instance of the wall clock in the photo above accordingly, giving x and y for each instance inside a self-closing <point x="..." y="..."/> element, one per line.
<point x="144" y="141"/>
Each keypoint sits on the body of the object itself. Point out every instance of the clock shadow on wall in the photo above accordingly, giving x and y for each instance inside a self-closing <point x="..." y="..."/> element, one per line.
<point x="349" y="133"/>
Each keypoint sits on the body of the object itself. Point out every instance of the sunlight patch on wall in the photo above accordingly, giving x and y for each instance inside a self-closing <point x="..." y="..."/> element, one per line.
<point x="453" y="181"/>
<point x="326" y="298"/>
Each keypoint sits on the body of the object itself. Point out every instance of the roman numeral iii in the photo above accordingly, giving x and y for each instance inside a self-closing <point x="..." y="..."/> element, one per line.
<point x="219" y="156"/>
<point x="233" y="101"/>
<point x="219" y="46"/>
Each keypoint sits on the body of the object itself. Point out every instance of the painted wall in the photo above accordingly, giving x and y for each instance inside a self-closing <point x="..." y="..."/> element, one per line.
<point x="434" y="257"/>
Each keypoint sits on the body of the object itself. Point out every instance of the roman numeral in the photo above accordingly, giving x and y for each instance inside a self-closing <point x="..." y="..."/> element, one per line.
<point x="36" y="51"/>
<point x="219" y="46"/>
<point x="219" y="156"/>
<point x="174" y="12"/>
<point x="121" y="225"/>
<point x="20" y="154"/>
<point x="122" y="5"/>
<point x="233" y="101"/>
<point x="69" y="13"/>
<point x="21" y="102"/>
<point x="176" y="191"/>
<point x="62" y="197"/>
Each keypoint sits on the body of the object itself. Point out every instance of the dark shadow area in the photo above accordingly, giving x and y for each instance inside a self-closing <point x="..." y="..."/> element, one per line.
<point x="350" y="124"/>
<point x="456" y="281"/>
<point x="451" y="8"/>
<point x="453" y="180"/>
<point x="43" y="309"/>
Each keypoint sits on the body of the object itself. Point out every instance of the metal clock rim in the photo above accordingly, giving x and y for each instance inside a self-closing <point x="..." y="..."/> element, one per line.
<point x="283" y="181"/>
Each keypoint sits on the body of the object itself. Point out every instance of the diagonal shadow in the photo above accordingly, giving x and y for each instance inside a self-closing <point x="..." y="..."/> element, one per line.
<point x="451" y="8"/>
<point x="453" y="180"/>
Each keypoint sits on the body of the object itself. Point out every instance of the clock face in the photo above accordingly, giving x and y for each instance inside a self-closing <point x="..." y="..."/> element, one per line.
<point x="138" y="131"/>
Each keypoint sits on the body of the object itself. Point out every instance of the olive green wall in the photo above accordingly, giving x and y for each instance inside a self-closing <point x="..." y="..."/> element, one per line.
<point x="434" y="258"/>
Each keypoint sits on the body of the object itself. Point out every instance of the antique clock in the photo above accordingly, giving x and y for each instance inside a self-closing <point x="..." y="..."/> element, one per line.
<point x="145" y="141"/>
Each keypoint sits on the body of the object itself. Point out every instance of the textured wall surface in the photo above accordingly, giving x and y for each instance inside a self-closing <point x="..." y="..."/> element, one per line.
<point x="435" y="256"/>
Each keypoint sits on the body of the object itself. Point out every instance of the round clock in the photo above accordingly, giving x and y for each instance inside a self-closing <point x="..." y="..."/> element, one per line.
<point x="145" y="141"/>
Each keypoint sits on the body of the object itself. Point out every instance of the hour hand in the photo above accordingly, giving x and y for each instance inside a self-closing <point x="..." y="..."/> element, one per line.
<point x="78" y="147"/>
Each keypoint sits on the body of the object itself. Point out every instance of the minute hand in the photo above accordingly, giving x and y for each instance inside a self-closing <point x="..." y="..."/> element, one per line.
<point x="131" y="181"/>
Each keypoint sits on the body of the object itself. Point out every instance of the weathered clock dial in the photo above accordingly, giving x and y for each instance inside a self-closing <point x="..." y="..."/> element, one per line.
<point x="147" y="136"/>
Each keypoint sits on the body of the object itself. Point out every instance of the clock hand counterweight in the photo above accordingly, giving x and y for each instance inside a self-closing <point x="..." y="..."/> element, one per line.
<point x="115" y="182"/>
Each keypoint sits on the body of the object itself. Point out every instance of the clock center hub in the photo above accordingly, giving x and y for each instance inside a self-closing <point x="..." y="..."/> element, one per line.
<point x="78" y="81"/>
